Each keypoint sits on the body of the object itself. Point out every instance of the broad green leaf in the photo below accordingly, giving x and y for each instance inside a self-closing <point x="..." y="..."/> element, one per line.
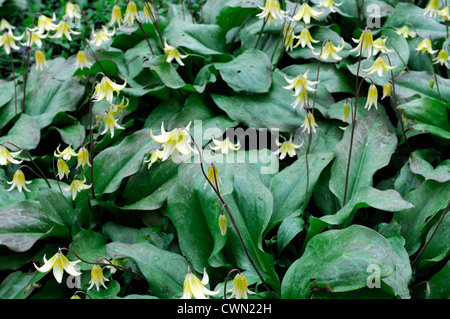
<point x="430" y="115"/>
<point x="411" y="83"/>
<point x="234" y="12"/>
<point x="249" y="72"/>
<point x="440" y="284"/>
<point x="289" y="186"/>
<point x="89" y="246"/>
<point x="338" y="260"/>
<point x="25" y="133"/>
<point x="438" y="247"/>
<point x="6" y="92"/>
<point x="120" y="233"/>
<point x="112" y="291"/>
<point x="18" y="285"/>
<point x="165" y="271"/>
<point x="289" y="228"/>
<point x="428" y="200"/>
<point x="373" y="146"/>
<point x="73" y="134"/>
<point x="57" y="207"/>
<point x="406" y="180"/>
<point x="419" y="165"/>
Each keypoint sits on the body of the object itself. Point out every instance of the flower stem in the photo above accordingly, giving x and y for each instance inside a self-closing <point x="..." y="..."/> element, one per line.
<point x="14" y="80"/>
<point x="260" y="32"/>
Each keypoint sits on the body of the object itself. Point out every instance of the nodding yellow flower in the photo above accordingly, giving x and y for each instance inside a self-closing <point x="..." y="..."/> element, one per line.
<point x="425" y="46"/>
<point x="40" y="60"/>
<point x="101" y="36"/>
<point x="116" y="262"/>
<point x="45" y="24"/>
<point x="301" y="86"/>
<point x="387" y="88"/>
<point x="83" y="158"/>
<point x="287" y="148"/>
<point x="115" y="109"/>
<point x="106" y="89"/>
<point x="192" y="286"/>
<point x="240" y="288"/>
<point x="110" y="124"/>
<point x="34" y="37"/>
<point x="329" y="49"/>
<point x="271" y="11"/>
<point x="223" y="224"/>
<point x="225" y="146"/>
<point x="75" y="296"/>
<point x="380" y="46"/>
<point x="406" y="32"/>
<point x="131" y="14"/>
<point x="154" y="157"/>
<point x="213" y="176"/>
<point x="19" y="182"/>
<point x="176" y="140"/>
<point x="444" y="14"/>
<point x="173" y="53"/>
<point x="379" y="65"/>
<point x="306" y="12"/>
<point x="442" y="58"/>
<point x="8" y="157"/>
<point x="116" y="16"/>
<point x="309" y="123"/>
<point x="7" y="40"/>
<point x="372" y="97"/>
<point x="62" y="28"/>
<point x="71" y="12"/>
<point x="82" y="61"/>
<point x="147" y="15"/>
<point x="288" y="35"/>
<point x="97" y="278"/>
<point x="432" y="8"/>
<point x="59" y="263"/>
<point x="4" y="25"/>
<point x="345" y="111"/>
<point x="305" y="39"/>
<point x="66" y="154"/>
<point x="63" y="169"/>
<point x="367" y="44"/>
<point x="330" y="5"/>
<point x="77" y="186"/>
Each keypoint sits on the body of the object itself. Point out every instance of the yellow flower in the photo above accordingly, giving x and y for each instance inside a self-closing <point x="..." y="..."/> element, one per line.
<point x="71" y="12"/>
<point x="34" y="37"/>
<point x="45" y="24"/>
<point x="288" y="35"/>
<point x="147" y="15"/>
<point x="432" y="8"/>
<point x="240" y="288"/>
<point x="173" y="53"/>
<point x="405" y="32"/>
<point x="329" y="49"/>
<point x="213" y="176"/>
<point x="442" y="58"/>
<point x="97" y="278"/>
<point x="116" y="16"/>
<point x="4" y="25"/>
<point x="329" y="4"/>
<point x="192" y="286"/>
<point x="82" y="61"/>
<point x="116" y="262"/>
<point x="101" y="36"/>
<point x="83" y="157"/>
<point x="444" y="14"/>
<point x="6" y="156"/>
<point x="110" y="124"/>
<point x="77" y="186"/>
<point x="59" y="263"/>
<point x="75" y="296"/>
<point x="63" y="169"/>
<point x="225" y="145"/>
<point x="271" y="11"/>
<point x="62" y="28"/>
<point x="425" y="46"/>
<point x="387" y="88"/>
<point x="305" y="39"/>
<point x="380" y="46"/>
<point x="309" y="123"/>
<point x="223" y="224"/>
<point x="175" y="140"/>
<point x="19" y="182"/>
<point x="379" y="65"/>
<point x="306" y="12"/>
<point x="372" y="97"/>
<point x="131" y="14"/>
<point x="66" y="154"/>
<point x="367" y="44"/>
<point x="106" y="89"/>
<point x="345" y="111"/>
<point x="40" y="60"/>
<point x="154" y="157"/>
<point x="7" y="40"/>
<point x="301" y="86"/>
<point x="117" y="109"/>
<point x="287" y="147"/>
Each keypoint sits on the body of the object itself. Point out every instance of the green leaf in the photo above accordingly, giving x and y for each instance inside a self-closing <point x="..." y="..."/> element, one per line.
<point x="438" y="247"/>
<point x="249" y="72"/>
<point x="164" y="271"/>
<point x="25" y="133"/>
<point x="73" y="134"/>
<point x="57" y="207"/>
<point x="289" y="228"/>
<point x="11" y="197"/>
<point x="373" y="146"/>
<point x="440" y="284"/>
<point x="90" y="246"/>
<point x="419" y="165"/>
<point x="338" y="260"/>
<point x="234" y="12"/>
<point x="412" y="83"/>
<point x="18" y="285"/>
<point x="6" y="92"/>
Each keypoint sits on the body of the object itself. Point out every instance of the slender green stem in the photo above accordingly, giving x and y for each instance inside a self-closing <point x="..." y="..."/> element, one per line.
<point x="396" y="51"/>
<point x="260" y="32"/>
<point x="14" y="80"/>
<point x="56" y="175"/>
<point x="145" y="36"/>
<point x="155" y="20"/>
